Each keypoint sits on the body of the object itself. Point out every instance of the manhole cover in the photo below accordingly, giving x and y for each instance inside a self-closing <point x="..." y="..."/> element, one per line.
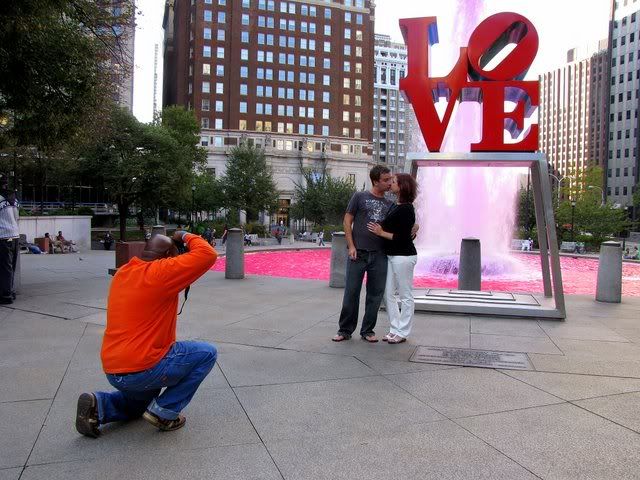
<point x="472" y="358"/>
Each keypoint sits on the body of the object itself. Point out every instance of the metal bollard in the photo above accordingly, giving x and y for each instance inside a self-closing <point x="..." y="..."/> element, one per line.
<point x="339" y="259"/>
<point x="158" y="229"/>
<point x="234" y="267"/>
<point x="469" y="269"/>
<point x="609" y="286"/>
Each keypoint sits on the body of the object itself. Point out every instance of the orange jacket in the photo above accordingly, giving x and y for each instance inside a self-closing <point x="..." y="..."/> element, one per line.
<point x="143" y="304"/>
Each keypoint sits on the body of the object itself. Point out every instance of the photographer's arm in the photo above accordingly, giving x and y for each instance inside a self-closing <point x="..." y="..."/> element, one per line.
<point x="179" y="272"/>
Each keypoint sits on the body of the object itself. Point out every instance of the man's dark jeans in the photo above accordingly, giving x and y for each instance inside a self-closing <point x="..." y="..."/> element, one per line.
<point x="8" y="260"/>
<point x="374" y="263"/>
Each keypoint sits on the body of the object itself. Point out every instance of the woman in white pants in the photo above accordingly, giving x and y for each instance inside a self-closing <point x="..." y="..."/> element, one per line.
<point x="402" y="257"/>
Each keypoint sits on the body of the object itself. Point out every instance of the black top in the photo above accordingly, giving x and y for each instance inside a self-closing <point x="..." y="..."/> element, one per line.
<point x="399" y="221"/>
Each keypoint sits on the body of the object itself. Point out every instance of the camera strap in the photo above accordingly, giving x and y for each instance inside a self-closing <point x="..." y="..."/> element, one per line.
<point x="186" y="295"/>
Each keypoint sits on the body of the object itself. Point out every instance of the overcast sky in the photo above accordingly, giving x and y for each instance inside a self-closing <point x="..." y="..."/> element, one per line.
<point x="561" y="25"/>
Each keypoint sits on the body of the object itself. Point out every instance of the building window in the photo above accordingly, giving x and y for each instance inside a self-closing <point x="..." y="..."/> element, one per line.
<point x="326" y="63"/>
<point x="218" y="124"/>
<point x="243" y="107"/>
<point x="207" y="34"/>
<point x="243" y="89"/>
<point x="327" y="47"/>
<point x="325" y="114"/>
<point x="206" y="51"/>
<point x="245" y="19"/>
<point x="246" y="3"/>
<point x="204" y="122"/>
<point x="206" y="69"/>
<point x="345" y="116"/>
<point x="356" y="117"/>
<point x="206" y="105"/>
<point x="244" y="37"/>
<point x="327" y="29"/>
<point x="220" y="70"/>
<point x="206" y="87"/>
<point x="346" y="83"/>
<point x="208" y="15"/>
<point x="326" y="97"/>
<point x="220" y="52"/>
<point x="222" y="17"/>
<point x="219" y="88"/>
<point x="221" y="35"/>
<point x="219" y="106"/>
<point x="327" y="13"/>
<point x="244" y="72"/>
<point x="242" y="124"/>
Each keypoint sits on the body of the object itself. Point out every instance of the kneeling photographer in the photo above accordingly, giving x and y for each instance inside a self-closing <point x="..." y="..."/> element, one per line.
<point x="140" y="355"/>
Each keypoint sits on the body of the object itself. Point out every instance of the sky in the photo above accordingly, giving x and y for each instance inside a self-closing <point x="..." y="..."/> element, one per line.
<point x="561" y="25"/>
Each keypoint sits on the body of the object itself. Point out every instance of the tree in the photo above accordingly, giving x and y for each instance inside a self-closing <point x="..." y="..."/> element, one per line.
<point x="248" y="182"/>
<point x="592" y="217"/>
<point x="526" y="211"/>
<point x="321" y="198"/>
<point x="208" y="195"/>
<point x="56" y="67"/>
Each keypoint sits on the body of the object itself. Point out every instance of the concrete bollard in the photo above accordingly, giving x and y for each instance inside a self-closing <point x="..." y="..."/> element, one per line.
<point x="469" y="269"/>
<point x="234" y="268"/>
<point x="339" y="259"/>
<point x="158" y="229"/>
<point x="609" y="286"/>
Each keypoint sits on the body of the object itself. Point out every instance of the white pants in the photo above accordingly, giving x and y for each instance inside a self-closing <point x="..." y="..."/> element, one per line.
<point x="400" y="276"/>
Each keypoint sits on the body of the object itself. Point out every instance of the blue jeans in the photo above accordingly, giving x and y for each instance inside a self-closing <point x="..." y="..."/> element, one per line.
<point x="374" y="263"/>
<point x="181" y="371"/>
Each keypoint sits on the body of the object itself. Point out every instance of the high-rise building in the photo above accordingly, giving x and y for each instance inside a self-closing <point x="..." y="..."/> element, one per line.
<point x="573" y="113"/>
<point x="389" y="106"/>
<point x="294" y="77"/>
<point x="623" y="165"/>
<point x="122" y="61"/>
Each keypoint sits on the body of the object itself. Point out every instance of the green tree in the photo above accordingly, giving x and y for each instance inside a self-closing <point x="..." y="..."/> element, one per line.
<point x="526" y="212"/>
<point x="208" y="195"/>
<point x="56" y="64"/>
<point x="592" y="217"/>
<point x="321" y="198"/>
<point x="248" y="182"/>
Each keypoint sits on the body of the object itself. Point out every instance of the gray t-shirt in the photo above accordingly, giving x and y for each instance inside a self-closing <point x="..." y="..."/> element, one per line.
<point x="366" y="207"/>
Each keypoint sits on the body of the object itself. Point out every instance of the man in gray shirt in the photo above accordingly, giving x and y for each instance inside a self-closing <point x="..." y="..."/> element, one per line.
<point x="365" y="255"/>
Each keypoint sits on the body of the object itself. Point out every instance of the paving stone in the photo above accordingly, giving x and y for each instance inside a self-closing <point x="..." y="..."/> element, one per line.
<point x="561" y="442"/>
<point x="623" y="409"/>
<point x="334" y="407"/>
<point x="439" y="450"/>
<point x="503" y="343"/>
<point x="581" y="332"/>
<point x="21" y="422"/>
<point x="259" y="366"/>
<point x="512" y="327"/>
<point x="214" y="418"/>
<point x="237" y="462"/>
<point x="575" y="387"/>
<point x="391" y="367"/>
<point x="10" y="473"/>
<point x="462" y="392"/>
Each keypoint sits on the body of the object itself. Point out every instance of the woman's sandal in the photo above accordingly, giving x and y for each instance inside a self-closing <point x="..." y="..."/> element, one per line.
<point x="387" y="337"/>
<point x="396" y="339"/>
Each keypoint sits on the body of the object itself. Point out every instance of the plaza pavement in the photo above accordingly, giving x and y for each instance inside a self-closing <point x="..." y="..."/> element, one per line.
<point x="286" y="402"/>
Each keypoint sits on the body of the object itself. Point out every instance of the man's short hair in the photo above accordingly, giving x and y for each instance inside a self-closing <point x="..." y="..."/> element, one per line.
<point x="376" y="172"/>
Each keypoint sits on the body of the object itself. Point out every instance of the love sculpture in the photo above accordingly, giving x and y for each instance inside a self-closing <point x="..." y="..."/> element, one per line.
<point x="471" y="80"/>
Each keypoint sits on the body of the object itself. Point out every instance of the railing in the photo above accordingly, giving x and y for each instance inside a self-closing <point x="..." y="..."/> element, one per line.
<point x="47" y="207"/>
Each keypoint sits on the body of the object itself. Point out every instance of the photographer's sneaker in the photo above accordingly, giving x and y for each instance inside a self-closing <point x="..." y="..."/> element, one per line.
<point x="87" y="415"/>
<point x="163" y="424"/>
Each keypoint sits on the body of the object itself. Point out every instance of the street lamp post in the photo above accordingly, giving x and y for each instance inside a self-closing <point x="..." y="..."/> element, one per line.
<point x="624" y="233"/>
<point x="573" y="211"/>
<point x="591" y="187"/>
<point x="559" y="180"/>
<point x="193" y="193"/>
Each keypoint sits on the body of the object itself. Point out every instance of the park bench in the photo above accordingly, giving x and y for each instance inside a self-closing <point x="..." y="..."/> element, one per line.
<point x="569" y="247"/>
<point x="516" y="244"/>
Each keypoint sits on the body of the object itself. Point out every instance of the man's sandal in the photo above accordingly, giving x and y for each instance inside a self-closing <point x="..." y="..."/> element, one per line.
<point x="341" y="337"/>
<point x="370" y="338"/>
<point x="164" y="424"/>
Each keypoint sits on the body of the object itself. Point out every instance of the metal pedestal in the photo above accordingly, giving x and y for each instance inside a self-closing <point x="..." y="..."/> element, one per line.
<point x="503" y="304"/>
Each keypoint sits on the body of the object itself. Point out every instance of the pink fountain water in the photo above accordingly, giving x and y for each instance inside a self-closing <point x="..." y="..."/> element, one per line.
<point x="457" y="202"/>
